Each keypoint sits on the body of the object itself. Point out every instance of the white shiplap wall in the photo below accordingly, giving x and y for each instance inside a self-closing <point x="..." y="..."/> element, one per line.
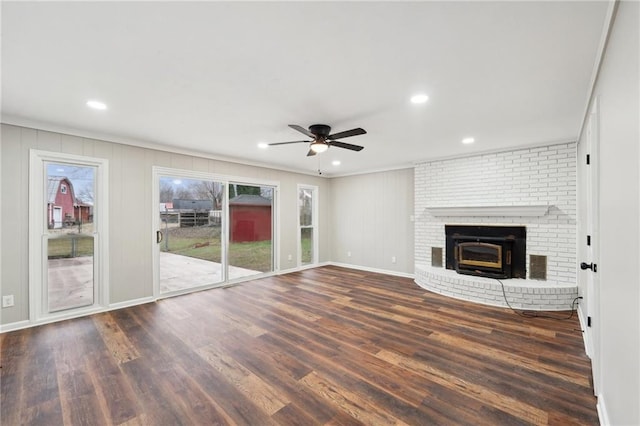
<point x="370" y="217"/>
<point x="130" y="209"/>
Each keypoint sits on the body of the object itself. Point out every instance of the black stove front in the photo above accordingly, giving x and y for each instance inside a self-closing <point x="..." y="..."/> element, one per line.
<point x="490" y="251"/>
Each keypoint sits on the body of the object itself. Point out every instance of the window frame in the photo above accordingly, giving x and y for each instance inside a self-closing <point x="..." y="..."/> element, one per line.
<point x="38" y="305"/>
<point x="315" y="191"/>
<point x="161" y="171"/>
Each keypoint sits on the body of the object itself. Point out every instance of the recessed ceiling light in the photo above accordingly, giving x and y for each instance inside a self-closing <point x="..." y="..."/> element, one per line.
<point x="97" y="105"/>
<point x="419" y="98"/>
<point x="263" y="145"/>
<point x="467" y="141"/>
<point x="336" y="162"/>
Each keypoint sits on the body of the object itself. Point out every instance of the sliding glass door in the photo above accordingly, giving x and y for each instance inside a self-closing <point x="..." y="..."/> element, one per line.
<point x="209" y="230"/>
<point x="251" y="222"/>
<point x="190" y="233"/>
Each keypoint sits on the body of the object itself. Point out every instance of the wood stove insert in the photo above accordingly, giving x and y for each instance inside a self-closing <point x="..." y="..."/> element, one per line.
<point x="490" y="251"/>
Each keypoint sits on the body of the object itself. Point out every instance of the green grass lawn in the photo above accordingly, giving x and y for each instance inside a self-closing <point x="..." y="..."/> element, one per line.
<point x="306" y="245"/>
<point x="201" y="243"/>
<point x="204" y="243"/>
<point x="70" y="245"/>
<point x="251" y="255"/>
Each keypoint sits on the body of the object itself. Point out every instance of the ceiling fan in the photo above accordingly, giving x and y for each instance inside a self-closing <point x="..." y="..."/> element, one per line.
<point x="322" y="139"/>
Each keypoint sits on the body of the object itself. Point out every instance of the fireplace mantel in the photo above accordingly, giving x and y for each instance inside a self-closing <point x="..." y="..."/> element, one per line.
<point x="483" y="211"/>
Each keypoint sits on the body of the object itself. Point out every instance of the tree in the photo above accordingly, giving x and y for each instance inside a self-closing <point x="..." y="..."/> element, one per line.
<point x="207" y="190"/>
<point x="85" y="195"/>
<point x="235" y="190"/>
<point x="166" y="192"/>
<point x="184" y="193"/>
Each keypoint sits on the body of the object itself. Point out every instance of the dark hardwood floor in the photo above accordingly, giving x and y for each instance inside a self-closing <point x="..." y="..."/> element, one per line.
<point x="327" y="346"/>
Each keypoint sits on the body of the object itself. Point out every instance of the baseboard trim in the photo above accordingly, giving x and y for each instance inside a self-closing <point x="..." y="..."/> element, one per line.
<point x="53" y="318"/>
<point x="129" y="303"/>
<point x="603" y="415"/>
<point x="19" y="325"/>
<point x="12" y="326"/>
<point x="586" y="335"/>
<point x="369" y="269"/>
<point x="299" y="268"/>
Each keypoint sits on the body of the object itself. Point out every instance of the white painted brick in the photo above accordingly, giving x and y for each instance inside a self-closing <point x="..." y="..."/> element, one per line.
<point x="528" y="176"/>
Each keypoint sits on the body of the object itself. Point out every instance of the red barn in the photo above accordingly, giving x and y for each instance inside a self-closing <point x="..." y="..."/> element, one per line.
<point x="60" y="201"/>
<point x="250" y="217"/>
<point x="84" y="211"/>
<point x="62" y="206"/>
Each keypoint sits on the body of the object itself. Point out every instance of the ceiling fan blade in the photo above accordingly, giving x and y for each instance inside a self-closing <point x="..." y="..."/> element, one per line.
<point x="311" y="153"/>
<point x="286" y="143"/>
<point x="302" y="130"/>
<point x="346" y="145"/>
<point x="347" y="133"/>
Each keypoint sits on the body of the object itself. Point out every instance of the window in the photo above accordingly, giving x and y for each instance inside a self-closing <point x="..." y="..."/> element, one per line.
<point x="307" y="218"/>
<point x="67" y="250"/>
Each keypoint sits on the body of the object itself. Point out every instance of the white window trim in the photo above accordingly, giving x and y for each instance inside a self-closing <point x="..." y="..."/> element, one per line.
<point x="314" y="223"/>
<point x="37" y="258"/>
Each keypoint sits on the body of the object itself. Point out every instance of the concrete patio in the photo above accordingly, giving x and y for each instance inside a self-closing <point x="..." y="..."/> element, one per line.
<point x="71" y="280"/>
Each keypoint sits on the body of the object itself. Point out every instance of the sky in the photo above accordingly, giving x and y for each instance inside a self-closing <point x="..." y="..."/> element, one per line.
<point x="82" y="178"/>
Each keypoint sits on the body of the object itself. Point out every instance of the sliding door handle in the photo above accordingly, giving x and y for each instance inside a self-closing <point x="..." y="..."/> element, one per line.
<point x="158" y="237"/>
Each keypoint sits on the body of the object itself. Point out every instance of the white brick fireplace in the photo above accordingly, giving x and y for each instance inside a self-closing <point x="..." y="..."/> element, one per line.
<point x="533" y="187"/>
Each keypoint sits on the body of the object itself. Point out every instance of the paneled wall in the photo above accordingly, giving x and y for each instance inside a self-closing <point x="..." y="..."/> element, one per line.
<point x="370" y="220"/>
<point x="130" y="209"/>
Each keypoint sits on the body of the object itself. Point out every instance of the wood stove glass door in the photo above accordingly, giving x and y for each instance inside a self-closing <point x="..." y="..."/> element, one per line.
<point x="480" y="254"/>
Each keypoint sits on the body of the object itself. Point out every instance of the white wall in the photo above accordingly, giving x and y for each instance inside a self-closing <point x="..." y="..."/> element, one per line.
<point x="526" y="177"/>
<point x="370" y="217"/>
<point x="618" y="91"/>
<point x="130" y="209"/>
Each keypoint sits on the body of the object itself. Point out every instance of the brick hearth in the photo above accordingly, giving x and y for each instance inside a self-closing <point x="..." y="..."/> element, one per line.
<point x="521" y="294"/>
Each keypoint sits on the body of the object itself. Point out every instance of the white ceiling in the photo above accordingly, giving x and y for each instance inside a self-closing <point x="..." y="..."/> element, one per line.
<point x="219" y="77"/>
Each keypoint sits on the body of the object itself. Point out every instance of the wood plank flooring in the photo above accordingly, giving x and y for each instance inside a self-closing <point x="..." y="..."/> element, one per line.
<point x="326" y="346"/>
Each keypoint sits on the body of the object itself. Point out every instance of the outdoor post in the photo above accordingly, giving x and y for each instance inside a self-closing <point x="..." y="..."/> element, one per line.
<point x="73" y="246"/>
<point x="166" y="229"/>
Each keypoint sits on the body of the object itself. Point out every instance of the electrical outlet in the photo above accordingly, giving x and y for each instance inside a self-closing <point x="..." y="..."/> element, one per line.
<point x="290" y="258"/>
<point x="7" y="301"/>
<point x="348" y="254"/>
<point x="393" y="259"/>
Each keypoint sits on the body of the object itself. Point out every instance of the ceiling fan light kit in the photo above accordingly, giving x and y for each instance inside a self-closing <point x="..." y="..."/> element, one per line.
<point x="319" y="147"/>
<point x="322" y="139"/>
